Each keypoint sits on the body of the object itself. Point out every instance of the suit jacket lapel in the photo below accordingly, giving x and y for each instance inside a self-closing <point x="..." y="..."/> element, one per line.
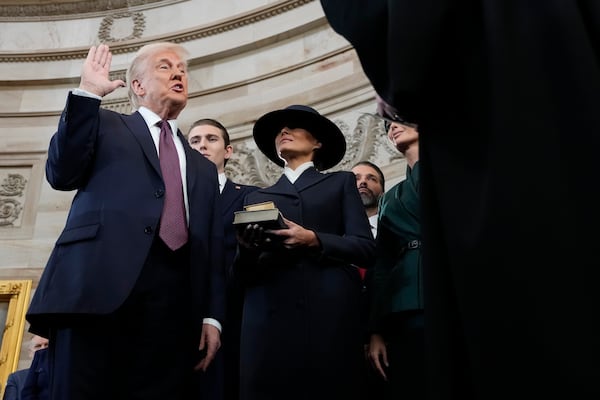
<point x="309" y="178"/>
<point x="137" y="126"/>
<point x="283" y="186"/>
<point x="229" y="195"/>
<point x="190" y="171"/>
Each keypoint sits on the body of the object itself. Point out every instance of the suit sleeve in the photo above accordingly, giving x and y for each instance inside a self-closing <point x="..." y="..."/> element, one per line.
<point x="356" y="246"/>
<point x="11" y="392"/>
<point x="35" y="386"/>
<point x="243" y="267"/>
<point x="71" y="151"/>
<point x="387" y="250"/>
<point x="217" y="261"/>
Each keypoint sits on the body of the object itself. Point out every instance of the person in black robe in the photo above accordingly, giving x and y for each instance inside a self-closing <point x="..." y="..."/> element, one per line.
<point x="506" y="96"/>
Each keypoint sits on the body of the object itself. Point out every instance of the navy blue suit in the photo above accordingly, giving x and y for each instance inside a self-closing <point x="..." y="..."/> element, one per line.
<point x="14" y="385"/>
<point x="221" y="380"/>
<point x="232" y="200"/>
<point x="106" y="256"/>
<point x="37" y="380"/>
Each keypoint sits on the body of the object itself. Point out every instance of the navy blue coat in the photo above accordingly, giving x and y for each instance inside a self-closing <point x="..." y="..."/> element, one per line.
<point x="111" y="160"/>
<point x="301" y="333"/>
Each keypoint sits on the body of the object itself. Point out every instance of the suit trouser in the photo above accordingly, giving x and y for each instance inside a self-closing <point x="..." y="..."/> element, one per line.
<point x="406" y="356"/>
<point x="143" y="350"/>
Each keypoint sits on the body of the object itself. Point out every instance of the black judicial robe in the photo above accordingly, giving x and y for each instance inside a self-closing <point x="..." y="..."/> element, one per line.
<point x="506" y="95"/>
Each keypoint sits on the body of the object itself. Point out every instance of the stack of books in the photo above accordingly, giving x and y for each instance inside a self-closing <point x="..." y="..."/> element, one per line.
<point x="264" y="214"/>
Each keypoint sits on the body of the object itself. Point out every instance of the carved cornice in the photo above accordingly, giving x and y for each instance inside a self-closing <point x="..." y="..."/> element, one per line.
<point x="75" y="9"/>
<point x="254" y="16"/>
<point x="122" y="105"/>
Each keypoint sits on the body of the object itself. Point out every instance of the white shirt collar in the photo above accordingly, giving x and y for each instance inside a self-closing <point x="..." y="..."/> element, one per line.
<point x="373" y="219"/>
<point x="293" y="175"/>
<point x="222" y="181"/>
<point x="152" y="119"/>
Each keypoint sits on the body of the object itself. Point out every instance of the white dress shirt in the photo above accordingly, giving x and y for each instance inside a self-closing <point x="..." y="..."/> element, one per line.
<point x="373" y="222"/>
<point x="222" y="181"/>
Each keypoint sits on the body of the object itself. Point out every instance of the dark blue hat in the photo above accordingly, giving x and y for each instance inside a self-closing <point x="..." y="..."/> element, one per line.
<point x="333" y="143"/>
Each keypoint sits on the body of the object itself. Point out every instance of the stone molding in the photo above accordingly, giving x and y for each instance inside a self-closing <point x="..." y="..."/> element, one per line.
<point x="129" y="46"/>
<point x="75" y="10"/>
<point x="122" y="105"/>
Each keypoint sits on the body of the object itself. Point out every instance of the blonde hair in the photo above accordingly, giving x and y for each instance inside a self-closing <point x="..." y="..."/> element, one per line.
<point x="139" y="64"/>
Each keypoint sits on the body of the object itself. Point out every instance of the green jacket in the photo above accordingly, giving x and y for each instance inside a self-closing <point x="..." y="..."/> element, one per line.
<point x="398" y="279"/>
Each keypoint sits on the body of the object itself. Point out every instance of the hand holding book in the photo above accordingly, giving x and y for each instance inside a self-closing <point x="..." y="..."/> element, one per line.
<point x="263" y="225"/>
<point x="256" y="223"/>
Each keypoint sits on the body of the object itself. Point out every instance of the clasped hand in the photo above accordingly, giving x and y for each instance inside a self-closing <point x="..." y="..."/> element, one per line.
<point x="255" y="236"/>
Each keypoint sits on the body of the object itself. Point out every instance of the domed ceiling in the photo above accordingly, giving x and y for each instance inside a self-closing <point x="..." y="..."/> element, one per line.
<point x="65" y="8"/>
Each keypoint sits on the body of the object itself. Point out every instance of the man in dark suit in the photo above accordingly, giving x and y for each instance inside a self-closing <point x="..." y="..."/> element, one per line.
<point x="506" y="96"/>
<point x="17" y="380"/>
<point x="211" y="139"/>
<point x="36" y="386"/>
<point x="132" y="294"/>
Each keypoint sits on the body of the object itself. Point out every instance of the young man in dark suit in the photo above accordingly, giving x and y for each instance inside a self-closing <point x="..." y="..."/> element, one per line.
<point x="140" y="260"/>
<point x="211" y="139"/>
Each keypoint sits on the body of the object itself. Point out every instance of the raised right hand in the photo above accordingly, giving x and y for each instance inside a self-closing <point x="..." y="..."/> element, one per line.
<point x="95" y="70"/>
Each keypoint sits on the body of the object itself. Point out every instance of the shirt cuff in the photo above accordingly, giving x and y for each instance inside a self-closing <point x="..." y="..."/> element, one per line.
<point x="85" y="93"/>
<point x="213" y="322"/>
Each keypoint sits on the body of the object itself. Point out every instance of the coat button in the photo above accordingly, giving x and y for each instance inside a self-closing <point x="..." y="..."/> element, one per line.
<point x="148" y="230"/>
<point x="159" y="193"/>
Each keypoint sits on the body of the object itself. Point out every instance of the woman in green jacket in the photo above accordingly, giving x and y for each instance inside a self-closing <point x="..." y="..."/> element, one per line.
<point x="396" y="324"/>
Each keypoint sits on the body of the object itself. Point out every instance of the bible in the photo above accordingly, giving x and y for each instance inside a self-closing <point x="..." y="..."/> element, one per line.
<point x="264" y="214"/>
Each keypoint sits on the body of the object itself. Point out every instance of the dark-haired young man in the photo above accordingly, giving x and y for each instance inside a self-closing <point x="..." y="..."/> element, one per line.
<point x="211" y="138"/>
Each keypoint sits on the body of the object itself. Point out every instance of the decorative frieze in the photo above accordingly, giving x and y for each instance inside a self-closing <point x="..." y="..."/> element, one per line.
<point x="137" y="22"/>
<point x="20" y="184"/>
<point x="365" y="136"/>
<point x="12" y="197"/>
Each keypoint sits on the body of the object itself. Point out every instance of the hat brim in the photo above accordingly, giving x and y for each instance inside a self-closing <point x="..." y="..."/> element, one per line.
<point x="333" y="142"/>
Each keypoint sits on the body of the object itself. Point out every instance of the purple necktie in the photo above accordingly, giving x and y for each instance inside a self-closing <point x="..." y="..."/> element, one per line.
<point x="173" y="225"/>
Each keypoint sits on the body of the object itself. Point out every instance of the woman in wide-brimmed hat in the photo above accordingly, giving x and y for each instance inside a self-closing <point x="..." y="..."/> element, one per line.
<point x="301" y="333"/>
